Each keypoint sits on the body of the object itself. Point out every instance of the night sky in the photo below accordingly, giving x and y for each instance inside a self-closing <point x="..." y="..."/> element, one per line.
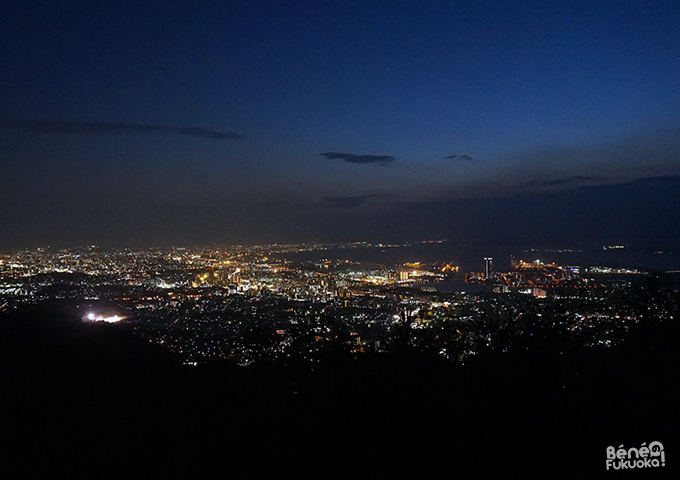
<point x="174" y="123"/>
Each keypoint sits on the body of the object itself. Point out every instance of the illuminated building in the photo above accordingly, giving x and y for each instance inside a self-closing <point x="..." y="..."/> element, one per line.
<point x="488" y="266"/>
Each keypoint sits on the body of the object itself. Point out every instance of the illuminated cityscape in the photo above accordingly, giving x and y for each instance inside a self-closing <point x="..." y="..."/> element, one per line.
<point x="260" y="303"/>
<point x="336" y="239"/>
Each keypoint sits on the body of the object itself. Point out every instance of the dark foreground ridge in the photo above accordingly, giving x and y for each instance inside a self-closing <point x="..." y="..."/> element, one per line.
<point x="93" y="399"/>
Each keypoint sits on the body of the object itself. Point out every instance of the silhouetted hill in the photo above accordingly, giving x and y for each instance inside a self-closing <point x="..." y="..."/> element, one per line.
<point x="93" y="398"/>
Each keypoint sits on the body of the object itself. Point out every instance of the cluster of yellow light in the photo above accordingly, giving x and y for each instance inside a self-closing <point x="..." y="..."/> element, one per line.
<point x="535" y="264"/>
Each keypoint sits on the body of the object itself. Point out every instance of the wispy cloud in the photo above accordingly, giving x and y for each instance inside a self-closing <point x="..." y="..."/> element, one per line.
<point x="572" y="180"/>
<point x="100" y="128"/>
<point x="650" y="153"/>
<point x="461" y="158"/>
<point x="354" y="158"/>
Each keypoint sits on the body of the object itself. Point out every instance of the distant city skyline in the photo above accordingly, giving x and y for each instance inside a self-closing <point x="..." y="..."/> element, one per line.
<point x="176" y="124"/>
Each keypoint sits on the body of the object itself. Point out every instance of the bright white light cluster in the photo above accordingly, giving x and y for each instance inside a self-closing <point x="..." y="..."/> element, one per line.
<point x="101" y="318"/>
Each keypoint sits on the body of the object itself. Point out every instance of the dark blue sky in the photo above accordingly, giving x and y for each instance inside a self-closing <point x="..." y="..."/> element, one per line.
<point x="165" y="122"/>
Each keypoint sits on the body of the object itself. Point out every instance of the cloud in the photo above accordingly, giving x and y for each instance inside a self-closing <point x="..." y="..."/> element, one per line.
<point x="100" y="128"/>
<point x="348" y="202"/>
<point x="459" y="158"/>
<point x="354" y="158"/>
<point x="614" y="160"/>
<point x="574" y="179"/>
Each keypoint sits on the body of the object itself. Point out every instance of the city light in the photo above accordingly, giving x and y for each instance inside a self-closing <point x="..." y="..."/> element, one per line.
<point x="101" y="318"/>
<point x="264" y="302"/>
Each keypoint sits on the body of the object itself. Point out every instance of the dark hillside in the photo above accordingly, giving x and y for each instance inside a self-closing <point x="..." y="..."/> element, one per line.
<point x="93" y="398"/>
